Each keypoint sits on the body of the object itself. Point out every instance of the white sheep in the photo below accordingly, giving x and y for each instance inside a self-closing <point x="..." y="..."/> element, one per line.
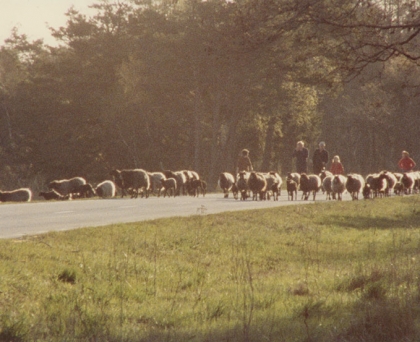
<point x="134" y="179"/>
<point x="309" y="184"/>
<point x="106" y="189"/>
<point x="295" y="176"/>
<point x="378" y="185"/>
<point x="291" y="187"/>
<point x="391" y="181"/>
<point x="325" y="173"/>
<point x="257" y="183"/>
<point x="181" y="180"/>
<point x="169" y="187"/>
<point x="156" y="182"/>
<point x="242" y="184"/>
<point x="67" y="186"/>
<point x="18" y="195"/>
<point x="274" y="183"/>
<point x="338" y="186"/>
<point x="408" y="181"/>
<point x="226" y="182"/>
<point x="276" y="187"/>
<point x="327" y="186"/>
<point x="354" y="185"/>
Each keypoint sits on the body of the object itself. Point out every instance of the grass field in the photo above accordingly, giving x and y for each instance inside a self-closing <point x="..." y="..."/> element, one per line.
<point x="338" y="271"/>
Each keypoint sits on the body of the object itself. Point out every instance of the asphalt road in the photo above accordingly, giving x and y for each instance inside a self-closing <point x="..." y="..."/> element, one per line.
<point x="20" y="219"/>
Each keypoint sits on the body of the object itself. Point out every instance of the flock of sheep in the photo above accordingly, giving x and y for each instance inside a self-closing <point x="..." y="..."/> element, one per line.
<point x="264" y="185"/>
<point x="134" y="182"/>
<point x="255" y="185"/>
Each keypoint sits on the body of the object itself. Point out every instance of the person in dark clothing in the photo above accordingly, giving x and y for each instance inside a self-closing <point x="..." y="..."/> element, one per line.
<point x="244" y="162"/>
<point x="301" y="154"/>
<point x="320" y="158"/>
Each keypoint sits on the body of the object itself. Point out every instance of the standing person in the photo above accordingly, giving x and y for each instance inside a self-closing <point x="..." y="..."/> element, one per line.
<point x="320" y="158"/>
<point x="406" y="164"/>
<point x="244" y="162"/>
<point x="301" y="154"/>
<point x="337" y="167"/>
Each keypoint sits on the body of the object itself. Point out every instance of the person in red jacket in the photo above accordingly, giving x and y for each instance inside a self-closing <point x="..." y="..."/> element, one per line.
<point x="336" y="167"/>
<point x="406" y="164"/>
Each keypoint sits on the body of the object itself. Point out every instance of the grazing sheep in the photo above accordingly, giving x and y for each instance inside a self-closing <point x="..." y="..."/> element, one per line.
<point x="181" y="180"/>
<point x="226" y="182"/>
<point x="308" y="184"/>
<point x="370" y="177"/>
<point x="67" y="186"/>
<point x="408" y="181"/>
<point x="378" y="185"/>
<point x="292" y="188"/>
<point x="367" y="191"/>
<point x="196" y="186"/>
<point x="398" y="189"/>
<point x="338" y="186"/>
<point x="86" y="190"/>
<point x="276" y="190"/>
<point x="169" y="187"/>
<point x="274" y="182"/>
<point x="53" y="195"/>
<point x="391" y="181"/>
<point x="191" y="176"/>
<point x="257" y="184"/>
<point x="188" y="174"/>
<point x="295" y="176"/>
<point x="134" y="179"/>
<point x="416" y="181"/>
<point x="324" y="173"/>
<point x="155" y="182"/>
<point x="327" y="186"/>
<point x="18" y="195"/>
<point x="106" y="189"/>
<point x="279" y="183"/>
<point x="354" y="184"/>
<point x="242" y="184"/>
<point x="235" y="191"/>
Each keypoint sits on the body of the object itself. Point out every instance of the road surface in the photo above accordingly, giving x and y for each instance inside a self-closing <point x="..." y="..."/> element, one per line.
<point x="20" y="219"/>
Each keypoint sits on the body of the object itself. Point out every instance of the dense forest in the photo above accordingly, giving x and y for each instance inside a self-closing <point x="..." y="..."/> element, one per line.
<point x="187" y="84"/>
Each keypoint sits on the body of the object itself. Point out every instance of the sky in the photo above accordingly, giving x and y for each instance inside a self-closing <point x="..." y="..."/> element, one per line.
<point x="32" y="17"/>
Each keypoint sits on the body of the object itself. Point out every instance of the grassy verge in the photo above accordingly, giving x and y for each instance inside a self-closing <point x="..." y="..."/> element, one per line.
<point x="342" y="271"/>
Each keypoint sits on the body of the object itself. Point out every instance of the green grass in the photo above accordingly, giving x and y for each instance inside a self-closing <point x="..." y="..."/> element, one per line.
<point x="341" y="271"/>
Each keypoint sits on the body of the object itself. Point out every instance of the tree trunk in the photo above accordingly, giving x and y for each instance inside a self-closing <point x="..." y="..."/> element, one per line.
<point x="197" y="130"/>
<point x="215" y="146"/>
<point x="268" y="149"/>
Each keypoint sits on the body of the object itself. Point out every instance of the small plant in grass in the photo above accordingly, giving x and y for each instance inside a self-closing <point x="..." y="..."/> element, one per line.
<point x="13" y="331"/>
<point x="67" y="276"/>
<point x="375" y="291"/>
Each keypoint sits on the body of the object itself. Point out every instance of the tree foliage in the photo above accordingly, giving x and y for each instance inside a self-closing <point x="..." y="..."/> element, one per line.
<point x="188" y="84"/>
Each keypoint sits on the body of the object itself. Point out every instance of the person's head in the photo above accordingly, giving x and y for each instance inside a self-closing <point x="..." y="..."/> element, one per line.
<point x="300" y="145"/>
<point x="244" y="152"/>
<point x="405" y="154"/>
<point x="336" y="159"/>
<point x="322" y="145"/>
